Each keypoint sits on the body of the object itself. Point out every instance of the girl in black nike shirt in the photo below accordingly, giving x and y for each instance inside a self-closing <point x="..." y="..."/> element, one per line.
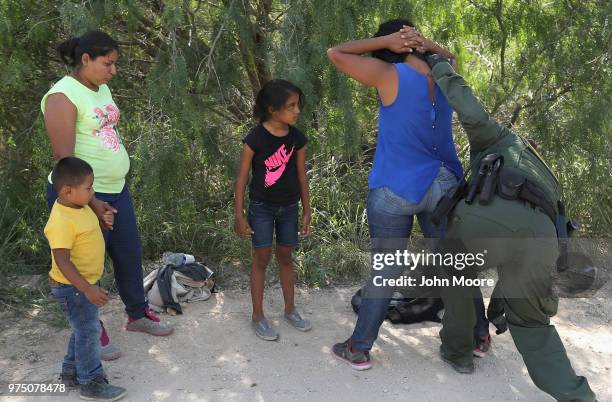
<point x="275" y="153"/>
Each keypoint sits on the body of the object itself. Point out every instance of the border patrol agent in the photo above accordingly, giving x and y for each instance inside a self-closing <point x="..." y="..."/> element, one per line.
<point x="513" y="196"/>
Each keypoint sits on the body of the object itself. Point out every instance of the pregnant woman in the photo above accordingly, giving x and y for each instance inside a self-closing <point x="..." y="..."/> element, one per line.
<point x="81" y="120"/>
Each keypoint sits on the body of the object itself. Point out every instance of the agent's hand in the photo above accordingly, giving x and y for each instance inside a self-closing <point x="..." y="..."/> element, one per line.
<point x="241" y="227"/>
<point x="404" y="41"/>
<point x="433" y="59"/>
<point x="96" y="295"/>
<point x="100" y="208"/>
<point x="305" y="231"/>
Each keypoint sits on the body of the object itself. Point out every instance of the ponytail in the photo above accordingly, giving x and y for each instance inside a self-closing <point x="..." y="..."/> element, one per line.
<point x="94" y="43"/>
<point x="67" y="51"/>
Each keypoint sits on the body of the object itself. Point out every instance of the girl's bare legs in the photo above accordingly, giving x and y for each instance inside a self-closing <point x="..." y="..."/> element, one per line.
<point x="261" y="258"/>
<point x="287" y="275"/>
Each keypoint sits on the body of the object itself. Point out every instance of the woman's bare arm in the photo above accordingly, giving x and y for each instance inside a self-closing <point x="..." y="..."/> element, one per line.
<point x="60" y="121"/>
<point x="369" y="70"/>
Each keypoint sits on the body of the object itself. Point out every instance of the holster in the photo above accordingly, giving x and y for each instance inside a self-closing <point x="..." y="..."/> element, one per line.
<point x="448" y="202"/>
<point x="510" y="184"/>
<point x="514" y="186"/>
<point x="490" y="182"/>
<point x="484" y="179"/>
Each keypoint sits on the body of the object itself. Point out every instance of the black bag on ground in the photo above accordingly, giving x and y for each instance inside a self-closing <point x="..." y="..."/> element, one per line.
<point x="407" y="310"/>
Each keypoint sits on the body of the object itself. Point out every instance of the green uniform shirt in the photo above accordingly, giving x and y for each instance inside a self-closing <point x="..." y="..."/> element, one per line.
<point x="97" y="138"/>
<point x="487" y="136"/>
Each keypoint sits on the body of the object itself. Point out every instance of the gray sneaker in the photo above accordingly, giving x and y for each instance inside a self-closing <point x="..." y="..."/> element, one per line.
<point x="263" y="330"/>
<point x="110" y="352"/>
<point x="297" y="321"/>
<point x="100" y="390"/>
<point x="150" y="327"/>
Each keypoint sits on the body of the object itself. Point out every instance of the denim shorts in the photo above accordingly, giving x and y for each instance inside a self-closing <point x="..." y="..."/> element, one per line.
<point x="266" y="219"/>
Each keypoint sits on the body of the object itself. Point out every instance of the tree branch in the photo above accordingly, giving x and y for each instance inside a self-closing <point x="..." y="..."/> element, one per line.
<point x="502" y="52"/>
<point x="550" y="98"/>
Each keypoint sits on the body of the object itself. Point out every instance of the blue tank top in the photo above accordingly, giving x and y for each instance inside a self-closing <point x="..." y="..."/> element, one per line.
<point x="414" y="138"/>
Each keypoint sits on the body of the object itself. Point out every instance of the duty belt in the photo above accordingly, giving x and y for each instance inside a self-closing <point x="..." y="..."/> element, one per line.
<point x="510" y="185"/>
<point x="491" y="179"/>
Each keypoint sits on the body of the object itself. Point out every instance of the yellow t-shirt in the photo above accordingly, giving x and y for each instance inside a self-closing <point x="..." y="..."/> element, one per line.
<point x="79" y="231"/>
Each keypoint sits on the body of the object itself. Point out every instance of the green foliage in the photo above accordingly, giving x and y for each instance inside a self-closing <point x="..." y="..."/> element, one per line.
<point x="335" y="250"/>
<point x="188" y="73"/>
<point x="31" y="302"/>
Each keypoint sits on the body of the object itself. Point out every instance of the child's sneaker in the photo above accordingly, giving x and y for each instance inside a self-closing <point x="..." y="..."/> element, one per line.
<point x="69" y="380"/>
<point x="297" y="321"/>
<point x="149" y="324"/>
<point x="356" y="359"/>
<point x="483" y="344"/>
<point x="100" y="390"/>
<point x="263" y="330"/>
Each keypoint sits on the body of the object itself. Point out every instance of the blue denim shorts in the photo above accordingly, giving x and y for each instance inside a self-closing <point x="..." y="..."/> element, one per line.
<point x="266" y="219"/>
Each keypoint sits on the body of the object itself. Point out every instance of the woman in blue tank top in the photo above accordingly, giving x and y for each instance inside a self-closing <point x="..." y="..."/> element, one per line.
<point x="414" y="165"/>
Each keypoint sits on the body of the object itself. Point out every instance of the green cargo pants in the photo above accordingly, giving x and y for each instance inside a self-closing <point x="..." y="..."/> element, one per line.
<point x="522" y="245"/>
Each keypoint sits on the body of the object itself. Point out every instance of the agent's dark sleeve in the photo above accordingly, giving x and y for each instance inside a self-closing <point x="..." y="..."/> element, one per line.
<point x="482" y="130"/>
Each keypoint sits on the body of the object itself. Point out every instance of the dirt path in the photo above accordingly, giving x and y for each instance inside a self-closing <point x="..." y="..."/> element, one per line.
<point x="214" y="356"/>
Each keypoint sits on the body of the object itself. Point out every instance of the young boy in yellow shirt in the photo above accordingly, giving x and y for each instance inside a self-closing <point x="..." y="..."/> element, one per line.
<point x="77" y="253"/>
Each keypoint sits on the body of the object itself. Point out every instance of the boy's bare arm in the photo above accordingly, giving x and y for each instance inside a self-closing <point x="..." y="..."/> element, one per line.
<point x="94" y="294"/>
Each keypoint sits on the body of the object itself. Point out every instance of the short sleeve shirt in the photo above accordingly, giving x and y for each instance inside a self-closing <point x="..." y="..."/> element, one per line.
<point x="274" y="171"/>
<point x="97" y="137"/>
<point x="77" y="230"/>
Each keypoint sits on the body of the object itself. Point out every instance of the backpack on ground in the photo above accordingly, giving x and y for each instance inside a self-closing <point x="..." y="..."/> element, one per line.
<point x="175" y="283"/>
<point x="407" y="310"/>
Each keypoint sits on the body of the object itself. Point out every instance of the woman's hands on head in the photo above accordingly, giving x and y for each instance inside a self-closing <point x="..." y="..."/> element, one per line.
<point x="424" y="44"/>
<point x="348" y="58"/>
<point x="405" y="40"/>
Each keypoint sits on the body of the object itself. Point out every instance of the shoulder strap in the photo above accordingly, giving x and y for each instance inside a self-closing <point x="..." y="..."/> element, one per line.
<point x="164" y="284"/>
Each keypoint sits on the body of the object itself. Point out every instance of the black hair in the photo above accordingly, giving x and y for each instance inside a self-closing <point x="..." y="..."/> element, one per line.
<point x="70" y="171"/>
<point x="94" y="43"/>
<point x="273" y="95"/>
<point x="388" y="28"/>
